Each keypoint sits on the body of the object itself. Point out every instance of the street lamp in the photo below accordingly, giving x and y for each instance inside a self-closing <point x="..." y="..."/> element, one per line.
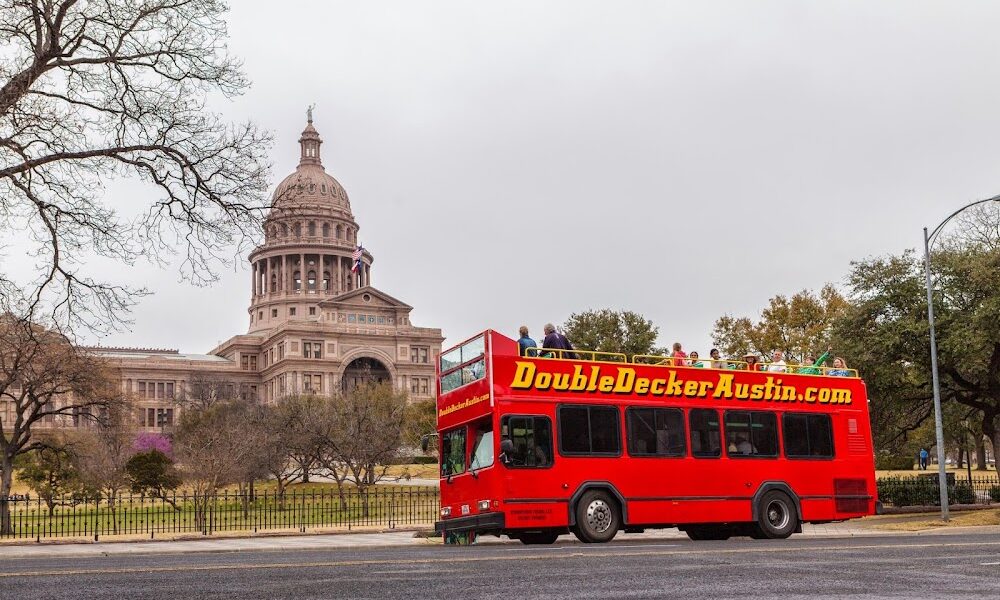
<point x="938" y="429"/>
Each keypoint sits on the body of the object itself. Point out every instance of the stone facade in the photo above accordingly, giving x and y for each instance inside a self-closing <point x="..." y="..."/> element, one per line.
<point x="314" y="324"/>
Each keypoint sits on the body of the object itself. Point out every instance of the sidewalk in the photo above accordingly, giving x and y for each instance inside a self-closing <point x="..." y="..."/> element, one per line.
<point x="271" y="543"/>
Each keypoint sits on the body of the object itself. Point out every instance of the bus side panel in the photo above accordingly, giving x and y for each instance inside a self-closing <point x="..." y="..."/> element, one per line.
<point x="649" y="512"/>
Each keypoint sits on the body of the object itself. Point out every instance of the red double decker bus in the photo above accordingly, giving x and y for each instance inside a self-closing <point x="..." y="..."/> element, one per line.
<point x="593" y="443"/>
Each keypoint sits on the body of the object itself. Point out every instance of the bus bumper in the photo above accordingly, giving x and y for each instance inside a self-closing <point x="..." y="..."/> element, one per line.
<point x="480" y="522"/>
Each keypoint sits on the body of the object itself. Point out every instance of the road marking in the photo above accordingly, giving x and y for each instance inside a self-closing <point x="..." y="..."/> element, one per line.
<point x="990" y="564"/>
<point x="611" y="552"/>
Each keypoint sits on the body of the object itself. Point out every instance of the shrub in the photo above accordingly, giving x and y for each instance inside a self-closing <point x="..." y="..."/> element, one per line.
<point x="961" y="493"/>
<point x="894" y="462"/>
<point x="899" y="491"/>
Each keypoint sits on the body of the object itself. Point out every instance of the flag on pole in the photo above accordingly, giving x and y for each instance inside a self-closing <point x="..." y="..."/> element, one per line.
<point x="357" y="259"/>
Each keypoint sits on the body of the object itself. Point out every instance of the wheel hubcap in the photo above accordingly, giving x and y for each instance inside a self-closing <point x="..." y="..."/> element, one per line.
<point x="599" y="516"/>
<point x="777" y="514"/>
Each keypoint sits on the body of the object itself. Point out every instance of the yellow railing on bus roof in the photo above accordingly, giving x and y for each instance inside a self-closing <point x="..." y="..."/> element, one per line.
<point x="588" y="355"/>
<point x="699" y="363"/>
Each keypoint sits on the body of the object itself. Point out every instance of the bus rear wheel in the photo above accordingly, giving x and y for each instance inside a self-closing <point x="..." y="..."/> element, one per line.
<point x="700" y="533"/>
<point x="776" y="516"/>
<point x="538" y="537"/>
<point x="598" y="517"/>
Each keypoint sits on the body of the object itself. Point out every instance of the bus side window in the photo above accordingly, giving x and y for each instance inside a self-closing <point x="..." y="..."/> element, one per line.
<point x="751" y="433"/>
<point x="705" y="437"/>
<point x="532" y="441"/>
<point x="808" y="435"/>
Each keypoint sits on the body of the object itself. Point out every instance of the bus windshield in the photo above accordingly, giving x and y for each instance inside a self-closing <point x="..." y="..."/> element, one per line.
<point x="464" y="364"/>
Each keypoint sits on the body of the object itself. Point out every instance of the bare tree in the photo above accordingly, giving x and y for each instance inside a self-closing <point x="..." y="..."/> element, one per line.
<point x="96" y="90"/>
<point x="103" y="454"/>
<point x="216" y="446"/>
<point x="44" y="378"/>
<point x="204" y="390"/>
<point x="362" y="433"/>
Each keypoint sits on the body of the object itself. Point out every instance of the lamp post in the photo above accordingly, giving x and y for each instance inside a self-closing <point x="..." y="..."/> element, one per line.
<point x="938" y="428"/>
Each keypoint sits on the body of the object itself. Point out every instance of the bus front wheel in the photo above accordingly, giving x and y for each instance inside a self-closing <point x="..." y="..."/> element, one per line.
<point x="776" y="516"/>
<point x="597" y="517"/>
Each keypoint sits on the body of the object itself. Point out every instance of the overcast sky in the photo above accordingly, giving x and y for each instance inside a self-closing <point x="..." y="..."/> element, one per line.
<point x="514" y="162"/>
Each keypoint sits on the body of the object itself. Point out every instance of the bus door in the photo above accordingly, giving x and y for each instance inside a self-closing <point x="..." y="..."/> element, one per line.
<point x="532" y="495"/>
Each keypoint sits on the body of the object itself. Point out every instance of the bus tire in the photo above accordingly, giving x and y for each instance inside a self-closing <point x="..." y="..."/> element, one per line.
<point x="538" y="537"/>
<point x="598" y="517"/>
<point x="776" y="516"/>
<point x="700" y="533"/>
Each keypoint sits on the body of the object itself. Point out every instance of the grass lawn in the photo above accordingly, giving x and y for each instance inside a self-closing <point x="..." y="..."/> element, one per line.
<point x="924" y="521"/>
<point x="310" y="506"/>
<point x="932" y="470"/>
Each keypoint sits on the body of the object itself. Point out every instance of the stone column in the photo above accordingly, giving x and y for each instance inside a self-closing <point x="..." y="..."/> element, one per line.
<point x="340" y="275"/>
<point x="267" y="276"/>
<point x="302" y="273"/>
<point x="253" y="286"/>
<point x="282" y="283"/>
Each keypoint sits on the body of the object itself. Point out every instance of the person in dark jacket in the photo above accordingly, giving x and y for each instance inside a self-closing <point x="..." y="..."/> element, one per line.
<point x="557" y="341"/>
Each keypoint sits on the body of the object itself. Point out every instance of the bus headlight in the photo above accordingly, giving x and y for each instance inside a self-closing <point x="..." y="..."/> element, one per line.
<point x="484" y="505"/>
<point x="446" y="511"/>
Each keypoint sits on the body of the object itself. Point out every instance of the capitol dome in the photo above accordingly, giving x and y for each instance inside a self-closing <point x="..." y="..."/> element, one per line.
<point x="311" y="251"/>
<point x="310" y="187"/>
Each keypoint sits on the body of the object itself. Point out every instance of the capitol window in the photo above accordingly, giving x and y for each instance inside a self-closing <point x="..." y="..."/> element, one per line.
<point x="418" y="354"/>
<point x="312" y="311"/>
<point x="291" y="311"/>
<point x="312" y="349"/>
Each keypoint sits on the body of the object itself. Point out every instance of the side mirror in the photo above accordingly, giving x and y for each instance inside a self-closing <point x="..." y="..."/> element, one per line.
<point x="506" y="452"/>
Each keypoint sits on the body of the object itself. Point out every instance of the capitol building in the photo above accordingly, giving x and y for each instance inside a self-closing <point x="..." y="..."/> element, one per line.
<point x="315" y="324"/>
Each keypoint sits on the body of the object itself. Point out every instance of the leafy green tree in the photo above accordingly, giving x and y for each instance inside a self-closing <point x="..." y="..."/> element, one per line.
<point x="50" y="471"/>
<point x="152" y="473"/>
<point x="420" y="420"/>
<point x="607" y="330"/>
<point x="799" y="326"/>
<point x="885" y="334"/>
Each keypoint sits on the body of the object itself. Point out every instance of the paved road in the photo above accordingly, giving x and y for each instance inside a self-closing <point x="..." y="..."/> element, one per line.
<point x="958" y="565"/>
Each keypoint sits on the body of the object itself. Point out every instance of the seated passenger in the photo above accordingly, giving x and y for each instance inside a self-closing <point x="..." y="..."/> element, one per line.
<point x="743" y="445"/>
<point x="751" y="361"/>
<point x="694" y="360"/>
<point x="839" y="368"/>
<point x="717" y="362"/>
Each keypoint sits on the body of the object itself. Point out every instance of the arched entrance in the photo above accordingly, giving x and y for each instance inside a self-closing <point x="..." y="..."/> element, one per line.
<point x="365" y="370"/>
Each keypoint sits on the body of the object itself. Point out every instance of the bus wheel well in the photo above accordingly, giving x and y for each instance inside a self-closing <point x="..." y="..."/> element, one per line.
<point x="780" y="486"/>
<point x="608" y="487"/>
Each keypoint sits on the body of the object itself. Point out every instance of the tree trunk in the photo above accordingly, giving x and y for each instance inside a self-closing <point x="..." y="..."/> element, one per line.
<point x="992" y="431"/>
<point x="6" y="483"/>
<point x="980" y="453"/>
<point x="961" y="454"/>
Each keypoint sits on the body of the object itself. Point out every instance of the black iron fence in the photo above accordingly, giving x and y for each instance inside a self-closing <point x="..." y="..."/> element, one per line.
<point x="386" y="507"/>
<point x="924" y="490"/>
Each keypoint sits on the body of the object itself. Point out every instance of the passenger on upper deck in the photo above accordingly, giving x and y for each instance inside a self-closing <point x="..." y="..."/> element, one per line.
<point x="777" y="362"/>
<point x="814" y="365"/>
<point x="679" y="356"/>
<point x="525" y="342"/>
<point x="839" y="368"/>
<point x="694" y="360"/>
<point x="751" y="360"/>
<point x="717" y="362"/>
<point x="557" y="341"/>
